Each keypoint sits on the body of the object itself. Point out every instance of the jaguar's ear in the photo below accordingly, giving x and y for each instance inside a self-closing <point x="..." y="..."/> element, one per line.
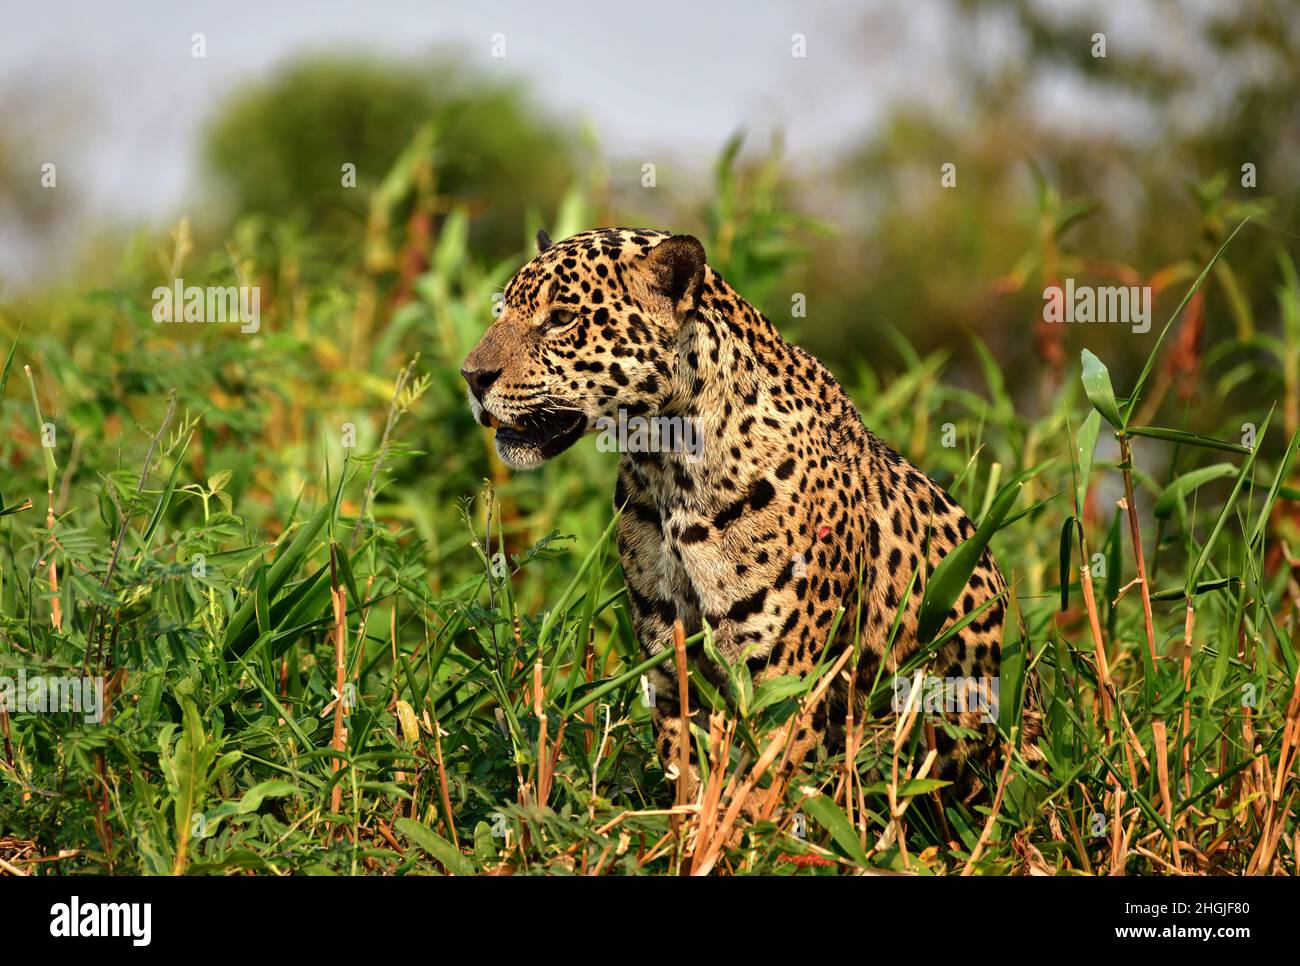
<point x="676" y="268"/>
<point x="543" y="240"/>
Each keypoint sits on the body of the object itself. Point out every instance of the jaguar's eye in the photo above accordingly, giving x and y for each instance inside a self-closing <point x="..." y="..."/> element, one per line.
<point x="558" y="319"/>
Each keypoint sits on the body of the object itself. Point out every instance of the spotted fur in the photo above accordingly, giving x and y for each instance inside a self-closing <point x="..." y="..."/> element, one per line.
<point x="792" y="505"/>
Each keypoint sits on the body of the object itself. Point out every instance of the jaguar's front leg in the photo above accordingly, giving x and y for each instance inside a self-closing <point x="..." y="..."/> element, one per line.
<point x="658" y="597"/>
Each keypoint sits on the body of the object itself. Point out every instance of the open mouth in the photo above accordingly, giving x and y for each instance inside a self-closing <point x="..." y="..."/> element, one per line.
<point x="539" y="436"/>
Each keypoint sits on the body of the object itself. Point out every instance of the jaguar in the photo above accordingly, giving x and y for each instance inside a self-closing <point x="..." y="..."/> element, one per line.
<point x="789" y="510"/>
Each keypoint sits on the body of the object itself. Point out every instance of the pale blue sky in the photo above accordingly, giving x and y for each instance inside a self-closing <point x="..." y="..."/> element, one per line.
<point x="122" y="99"/>
<point x="684" y="74"/>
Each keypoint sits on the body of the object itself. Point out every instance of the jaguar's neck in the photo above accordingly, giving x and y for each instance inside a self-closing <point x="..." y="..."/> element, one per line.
<point x="730" y="383"/>
<point x="727" y="352"/>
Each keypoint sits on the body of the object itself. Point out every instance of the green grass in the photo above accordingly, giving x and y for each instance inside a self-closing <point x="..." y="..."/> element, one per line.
<point x="209" y="516"/>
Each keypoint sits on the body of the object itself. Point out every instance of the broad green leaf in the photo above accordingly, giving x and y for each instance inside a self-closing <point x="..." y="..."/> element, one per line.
<point x="437" y="846"/>
<point x="250" y="802"/>
<point x="1096" y="383"/>
<point x="1067" y="545"/>
<point x="1187" y="483"/>
<point x="778" y="689"/>
<point x="1011" y="676"/>
<point x="954" y="571"/>
<point x="832" y="818"/>
<point x="242" y="629"/>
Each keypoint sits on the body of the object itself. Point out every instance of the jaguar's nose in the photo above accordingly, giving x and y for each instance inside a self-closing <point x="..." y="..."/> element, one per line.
<point x="480" y="380"/>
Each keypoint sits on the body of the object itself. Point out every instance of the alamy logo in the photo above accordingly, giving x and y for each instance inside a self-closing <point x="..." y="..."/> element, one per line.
<point x="75" y="919"/>
<point x="38" y="694"/>
<point x="1119" y="304"/>
<point x="948" y="695"/>
<point x="237" y="304"/>
<point x="650" y="434"/>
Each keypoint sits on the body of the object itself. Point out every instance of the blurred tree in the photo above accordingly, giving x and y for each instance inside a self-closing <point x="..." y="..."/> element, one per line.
<point x="279" y="147"/>
<point x="1141" y="155"/>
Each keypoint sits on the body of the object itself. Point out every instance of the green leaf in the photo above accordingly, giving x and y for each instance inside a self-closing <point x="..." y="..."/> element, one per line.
<point x="345" y="568"/>
<point x="908" y="788"/>
<point x="1186" y="484"/>
<point x="1193" y="575"/>
<point x="47" y="451"/>
<point x="1096" y="383"/>
<point x="250" y="802"/>
<point x="190" y="765"/>
<point x="954" y="571"/>
<point x="1085" y="451"/>
<point x="262" y="602"/>
<point x="589" y="693"/>
<point x="1276" y="490"/>
<point x="830" y="817"/>
<point x="1011" y="673"/>
<point x="164" y="500"/>
<point x="1067" y="545"/>
<point x="1187" y="439"/>
<point x="1204" y="587"/>
<point x="561" y="606"/>
<point x="15" y="508"/>
<point x="709" y="694"/>
<point x="1155" y="350"/>
<point x="9" y="361"/>
<point x="242" y="629"/>
<point x="778" y="689"/>
<point x="451" y="857"/>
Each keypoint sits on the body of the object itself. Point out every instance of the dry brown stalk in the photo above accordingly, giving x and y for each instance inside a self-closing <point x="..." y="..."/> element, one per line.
<point x="443" y="791"/>
<point x="1186" y="737"/>
<point x="684" y="719"/>
<point x="4" y="730"/>
<point x="739" y="791"/>
<point x="339" y="739"/>
<point x="987" y="831"/>
<point x="1158" y="732"/>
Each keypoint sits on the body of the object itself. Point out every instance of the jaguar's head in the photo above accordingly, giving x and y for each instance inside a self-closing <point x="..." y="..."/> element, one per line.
<point x="587" y="328"/>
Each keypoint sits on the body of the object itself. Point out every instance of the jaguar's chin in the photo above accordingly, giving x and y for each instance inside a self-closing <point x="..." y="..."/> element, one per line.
<point x="537" y="437"/>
